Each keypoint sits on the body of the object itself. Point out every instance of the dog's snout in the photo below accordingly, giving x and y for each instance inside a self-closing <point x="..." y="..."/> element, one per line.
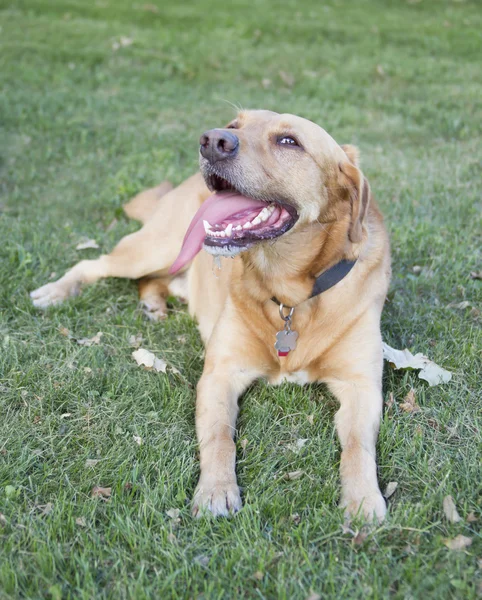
<point x="218" y="144"/>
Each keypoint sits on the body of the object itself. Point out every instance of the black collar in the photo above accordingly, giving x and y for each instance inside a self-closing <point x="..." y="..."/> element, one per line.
<point x="329" y="278"/>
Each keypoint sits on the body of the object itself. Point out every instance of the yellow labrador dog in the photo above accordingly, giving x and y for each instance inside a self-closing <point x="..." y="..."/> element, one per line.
<point x="301" y="301"/>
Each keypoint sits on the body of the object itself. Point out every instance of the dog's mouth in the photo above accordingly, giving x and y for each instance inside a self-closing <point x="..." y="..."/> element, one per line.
<point x="229" y="222"/>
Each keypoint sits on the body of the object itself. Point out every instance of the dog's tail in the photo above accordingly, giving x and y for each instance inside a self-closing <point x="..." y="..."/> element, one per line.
<point x="143" y="206"/>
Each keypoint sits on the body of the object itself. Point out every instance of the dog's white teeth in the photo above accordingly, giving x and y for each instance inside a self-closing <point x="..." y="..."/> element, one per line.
<point x="207" y="226"/>
<point x="247" y="225"/>
<point x="256" y="221"/>
<point x="238" y="228"/>
<point x="228" y="229"/>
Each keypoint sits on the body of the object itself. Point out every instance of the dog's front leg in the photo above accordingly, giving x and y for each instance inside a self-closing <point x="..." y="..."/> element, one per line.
<point x="216" y="411"/>
<point x="357" y="424"/>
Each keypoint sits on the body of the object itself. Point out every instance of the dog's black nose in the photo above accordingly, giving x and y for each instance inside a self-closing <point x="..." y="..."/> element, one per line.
<point x="218" y="144"/>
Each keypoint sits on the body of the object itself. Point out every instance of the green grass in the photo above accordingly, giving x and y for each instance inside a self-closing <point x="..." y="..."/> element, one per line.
<point x="82" y="128"/>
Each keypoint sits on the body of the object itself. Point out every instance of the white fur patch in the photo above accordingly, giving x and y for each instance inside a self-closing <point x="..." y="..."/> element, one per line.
<point x="299" y="377"/>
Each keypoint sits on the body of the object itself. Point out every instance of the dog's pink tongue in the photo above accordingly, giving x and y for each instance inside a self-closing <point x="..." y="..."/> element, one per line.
<point x="216" y="209"/>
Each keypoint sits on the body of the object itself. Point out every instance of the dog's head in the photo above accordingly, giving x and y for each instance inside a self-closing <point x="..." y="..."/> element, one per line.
<point x="271" y="174"/>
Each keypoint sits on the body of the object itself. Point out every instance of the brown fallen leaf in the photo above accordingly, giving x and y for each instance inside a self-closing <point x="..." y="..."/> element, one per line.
<point x="450" y="510"/>
<point x="258" y="575"/>
<point x="287" y="78"/>
<point x="458" y="543"/>
<point x="101" y="492"/>
<point x="380" y="71"/>
<point x="3" y="520"/>
<point x="390" y="402"/>
<point x="135" y="341"/>
<point x="46" y="509"/>
<point x="91" y="462"/>
<point x="244" y="443"/>
<point x="90" y="341"/>
<point x="391" y="488"/>
<point x="310" y="419"/>
<point x="409" y="404"/>
<point x="471" y="518"/>
<point x="459" y="305"/>
<point x="476" y="275"/>
<point x="86" y="243"/>
<point x="360" y="537"/>
<point x="65" y="331"/>
<point x="293" y="475"/>
<point x="80" y="521"/>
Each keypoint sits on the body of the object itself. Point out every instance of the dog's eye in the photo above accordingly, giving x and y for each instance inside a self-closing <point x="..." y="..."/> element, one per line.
<point x="232" y="126"/>
<point x="286" y="140"/>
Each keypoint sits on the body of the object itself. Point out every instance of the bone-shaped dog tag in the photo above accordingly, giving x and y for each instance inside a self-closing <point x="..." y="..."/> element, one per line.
<point x="285" y="342"/>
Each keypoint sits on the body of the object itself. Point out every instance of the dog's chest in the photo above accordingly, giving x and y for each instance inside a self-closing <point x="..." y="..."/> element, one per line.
<point x="299" y="377"/>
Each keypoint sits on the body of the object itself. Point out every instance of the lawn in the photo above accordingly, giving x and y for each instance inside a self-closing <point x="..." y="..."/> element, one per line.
<point x="100" y="99"/>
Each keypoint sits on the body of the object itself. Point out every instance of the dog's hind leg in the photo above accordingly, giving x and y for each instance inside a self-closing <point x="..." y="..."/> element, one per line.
<point x="150" y="250"/>
<point x="144" y="205"/>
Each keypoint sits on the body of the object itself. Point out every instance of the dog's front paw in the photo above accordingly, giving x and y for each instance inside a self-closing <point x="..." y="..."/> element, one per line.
<point x="219" y="499"/>
<point x="370" y="507"/>
<point x="52" y="294"/>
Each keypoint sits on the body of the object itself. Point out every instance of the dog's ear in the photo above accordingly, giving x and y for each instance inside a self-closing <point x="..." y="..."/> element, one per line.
<point x="353" y="153"/>
<point x="358" y="189"/>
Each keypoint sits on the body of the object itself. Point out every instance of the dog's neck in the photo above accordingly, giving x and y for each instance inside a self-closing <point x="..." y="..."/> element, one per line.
<point x="287" y="269"/>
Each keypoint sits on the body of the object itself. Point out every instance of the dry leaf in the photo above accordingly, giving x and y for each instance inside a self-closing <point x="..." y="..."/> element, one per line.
<point x="391" y="488"/>
<point x="122" y="43"/>
<point x="46" y="509"/>
<point x="151" y="8"/>
<point x="101" y="492"/>
<point x="65" y="415"/>
<point x="409" y="404"/>
<point x="310" y="419"/>
<point x="86" y="244"/>
<point x="296" y="518"/>
<point x="450" y="510"/>
<point x="390" y="402"/>
<point x="91" y="462"/>
<point x="80" y="521"/>
<point x="314" y="596"/>
<point x="244" y="443"/>
<point x="360" y="537"/>
<point x="3" y="520"/>
<point x="380" y="71"/>
<point x="471" y="518"/>
<point x="65" y="331"/>
<point x="87" y="370"/>
<point x="137" y="439"/>
<point x="173" y="513"/>
<point x="298" y="445"/>
<point x="460" y="305"/>
<point x="149" y="360"/>
<point x="287" y="78"/>
<point x="476" y="275"/>
<point x="258" y="575"/>
<point x="293" y="475"/>
<point x="135" y="341"/>
<point x="417" y="269"/>
<point x="458" y="543"/>
<point x="90" y="341"/>
<point x="404" y="359"/>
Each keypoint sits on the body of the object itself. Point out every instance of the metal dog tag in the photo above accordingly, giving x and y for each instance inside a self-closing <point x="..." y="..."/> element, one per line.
<point x="286" y="339"/>
<point x="285" y="342"/>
